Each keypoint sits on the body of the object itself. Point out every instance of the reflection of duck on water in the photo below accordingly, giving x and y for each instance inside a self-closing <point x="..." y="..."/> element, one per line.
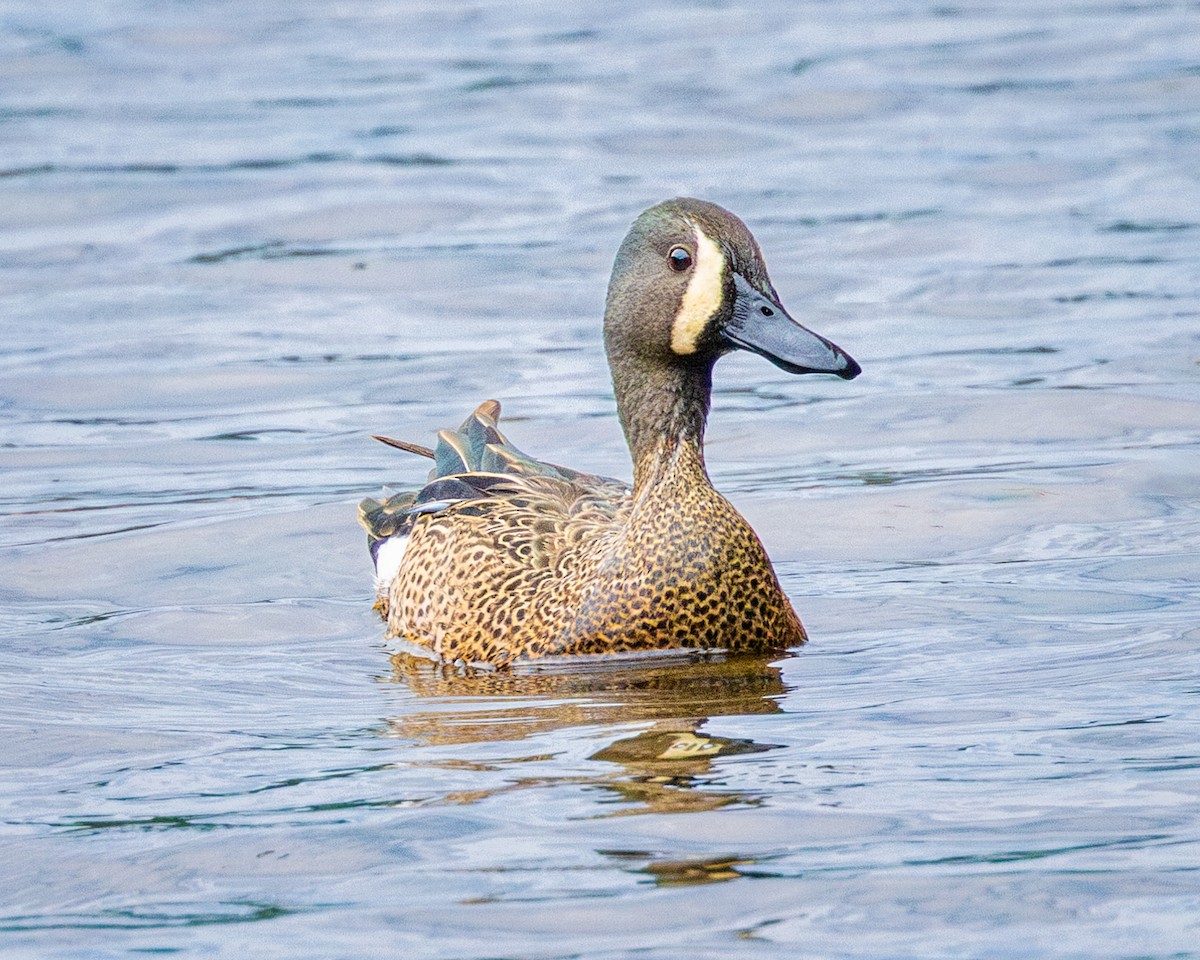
<point x="512" y="705"/>
<point x="662" y="769"/>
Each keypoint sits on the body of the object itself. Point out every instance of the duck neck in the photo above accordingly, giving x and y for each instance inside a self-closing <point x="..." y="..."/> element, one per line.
<point x="663" y="411"/>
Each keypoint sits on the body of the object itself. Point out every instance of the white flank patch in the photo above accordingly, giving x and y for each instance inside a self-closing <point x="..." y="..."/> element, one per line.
<point x="703" y="296"/>
<point x="387" y="560"/>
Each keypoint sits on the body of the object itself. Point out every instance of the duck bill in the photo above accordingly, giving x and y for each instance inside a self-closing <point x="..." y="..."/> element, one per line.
<point x="762" y="326"/>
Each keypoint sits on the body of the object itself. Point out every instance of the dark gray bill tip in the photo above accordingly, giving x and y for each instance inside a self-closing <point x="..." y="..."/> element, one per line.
<point x="850" y="370"/>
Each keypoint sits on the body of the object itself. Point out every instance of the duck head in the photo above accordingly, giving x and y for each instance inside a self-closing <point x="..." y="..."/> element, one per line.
<point x="690" y="285"/>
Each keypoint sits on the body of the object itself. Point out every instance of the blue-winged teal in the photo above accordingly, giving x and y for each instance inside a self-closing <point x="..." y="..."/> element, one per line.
<point x="501" y="556"/>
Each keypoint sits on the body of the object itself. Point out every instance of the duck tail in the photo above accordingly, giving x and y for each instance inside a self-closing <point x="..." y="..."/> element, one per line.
<point x="406" y="446"/>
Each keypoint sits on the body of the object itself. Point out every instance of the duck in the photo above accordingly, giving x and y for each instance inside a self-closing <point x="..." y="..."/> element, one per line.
<point x="503" y="558"/>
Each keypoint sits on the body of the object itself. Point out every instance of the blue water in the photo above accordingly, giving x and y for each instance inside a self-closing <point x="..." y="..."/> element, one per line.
<point x="235" y="240"/>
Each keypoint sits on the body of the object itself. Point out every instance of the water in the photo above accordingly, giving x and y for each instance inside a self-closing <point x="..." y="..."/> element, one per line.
<point x="236" y="240"/>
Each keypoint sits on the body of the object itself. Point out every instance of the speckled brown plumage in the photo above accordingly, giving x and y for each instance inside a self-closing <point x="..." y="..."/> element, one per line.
<point x="508" y="557"/>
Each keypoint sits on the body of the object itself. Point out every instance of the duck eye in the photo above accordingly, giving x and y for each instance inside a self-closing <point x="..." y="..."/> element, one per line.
<point x="680" y="259"/>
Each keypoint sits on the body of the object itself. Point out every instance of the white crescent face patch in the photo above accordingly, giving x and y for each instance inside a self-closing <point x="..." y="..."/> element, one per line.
<point x="703" y="296"/>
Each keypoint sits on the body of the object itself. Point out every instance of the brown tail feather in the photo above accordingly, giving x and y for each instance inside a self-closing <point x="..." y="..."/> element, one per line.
<point x="407" y="447"/>
<point x="490" y="409"/>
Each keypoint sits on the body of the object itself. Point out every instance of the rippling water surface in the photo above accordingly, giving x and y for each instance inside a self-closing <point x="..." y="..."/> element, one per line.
<point x="236" y="239"/>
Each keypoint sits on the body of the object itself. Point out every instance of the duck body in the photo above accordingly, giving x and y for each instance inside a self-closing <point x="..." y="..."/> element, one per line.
<point x="502" y="557"/>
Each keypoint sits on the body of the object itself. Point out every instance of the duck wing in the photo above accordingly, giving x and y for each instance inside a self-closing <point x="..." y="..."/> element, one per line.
<point x="477" y="462"/>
